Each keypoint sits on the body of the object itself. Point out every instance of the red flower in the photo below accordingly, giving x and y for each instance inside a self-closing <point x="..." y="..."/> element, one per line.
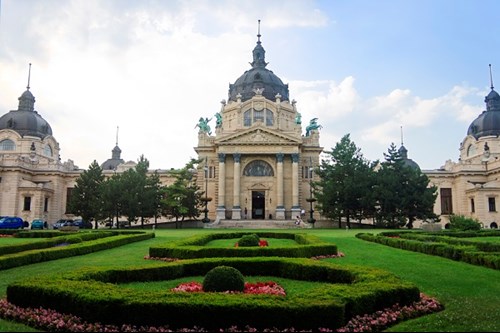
<point x="263" y="242"/>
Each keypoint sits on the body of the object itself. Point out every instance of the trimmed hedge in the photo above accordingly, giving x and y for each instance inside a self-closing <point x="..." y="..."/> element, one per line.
<point x="485" y="254"/>
<point x="50" y="242"/>
<point x="193" y="247"/>
<point x="78" y="244"/>
<point x="94" y="295"/>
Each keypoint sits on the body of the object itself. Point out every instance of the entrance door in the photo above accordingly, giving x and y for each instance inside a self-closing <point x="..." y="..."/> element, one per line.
<point x="258" y="205"/>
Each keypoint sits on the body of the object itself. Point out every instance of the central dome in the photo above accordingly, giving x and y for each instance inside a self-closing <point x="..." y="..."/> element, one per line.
<point x="258" y="78"/>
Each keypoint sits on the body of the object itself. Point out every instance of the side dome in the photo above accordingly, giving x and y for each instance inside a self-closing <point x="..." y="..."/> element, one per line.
<point x="259" y="77"/>
<point x="25" y="120"/>
<point x="488" y="122"/>
<point x="408" y="162"/>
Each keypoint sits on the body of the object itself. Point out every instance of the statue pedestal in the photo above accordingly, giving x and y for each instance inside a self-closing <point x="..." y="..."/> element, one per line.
<point x="280" y="213"/>
<point x="295" y="213"/>
<point x="221" y="213"/>
<point x="236" y="213"/>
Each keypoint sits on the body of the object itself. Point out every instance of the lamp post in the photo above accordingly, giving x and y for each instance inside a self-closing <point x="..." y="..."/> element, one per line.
<point x="311" y="199"/>
<point x="206" y="198"/>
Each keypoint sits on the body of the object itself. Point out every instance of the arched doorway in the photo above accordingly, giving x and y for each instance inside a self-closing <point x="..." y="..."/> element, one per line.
<point x="258" y="204"/>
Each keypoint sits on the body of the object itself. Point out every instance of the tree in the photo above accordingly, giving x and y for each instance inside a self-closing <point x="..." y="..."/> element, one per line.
<point x="137" y="201"/>
<point x="182" y="199"/>
<point x="112" y="198"/>
<point x="86" y="200"/>
<point x="402" y="192"/>
<point x="346" y="180"/>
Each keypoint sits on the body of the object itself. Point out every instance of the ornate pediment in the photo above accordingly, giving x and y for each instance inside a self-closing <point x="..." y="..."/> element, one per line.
<point x="258" y="136"/>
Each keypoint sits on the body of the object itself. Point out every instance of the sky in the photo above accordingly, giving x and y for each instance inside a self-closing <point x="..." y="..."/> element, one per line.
<point x="145" y="71"/>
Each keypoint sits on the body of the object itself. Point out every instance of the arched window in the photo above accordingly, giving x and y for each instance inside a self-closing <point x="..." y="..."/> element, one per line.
<point x="471" y="150"/>
<point x="269" y="118"/>
<point x="47" y="151"/>
<point x="265" y="116"/>
<point x="7" y="145"/>
<point x="247" y="118"/>
<point x="258" y="168"/>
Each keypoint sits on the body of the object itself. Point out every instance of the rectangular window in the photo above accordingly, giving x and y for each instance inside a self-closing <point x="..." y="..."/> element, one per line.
<point x="446" y="200"/>
<point x="69" y="193"/>
<point x="27" y="203"/>
<point x="472" y="205"/>
<point x="491" y="205"/>
<point x="46" y="205"/>
<point x="211" y="172"/>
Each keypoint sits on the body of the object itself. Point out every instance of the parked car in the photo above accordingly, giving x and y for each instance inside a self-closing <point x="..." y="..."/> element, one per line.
<point x="38" y="224"/>
<point x="11" y="222"/>
<point x="82" y="224"/>
<point x="62" y="222"/>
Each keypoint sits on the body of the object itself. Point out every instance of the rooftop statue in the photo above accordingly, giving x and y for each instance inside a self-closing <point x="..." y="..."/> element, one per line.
<point x="218" y="121"/>
<point x="313" y="125"/>
<point x="298" y="118"/>
<point x="203" y="125"/>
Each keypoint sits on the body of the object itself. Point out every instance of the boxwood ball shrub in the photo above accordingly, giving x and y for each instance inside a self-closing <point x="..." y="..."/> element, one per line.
<point x="223" y="278"/>
<point x="249" y="240"/>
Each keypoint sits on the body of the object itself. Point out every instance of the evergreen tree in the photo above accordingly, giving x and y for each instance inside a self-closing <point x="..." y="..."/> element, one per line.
<point x="182" y="199"/>
<point x="402" y="192"/>
<point x="112" y="198"/>
<point x="86" y="199"/>
<point x="346" y="180"/>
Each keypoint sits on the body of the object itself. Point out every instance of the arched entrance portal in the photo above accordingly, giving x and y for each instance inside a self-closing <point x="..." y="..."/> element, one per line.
<point x="258" y="204"/>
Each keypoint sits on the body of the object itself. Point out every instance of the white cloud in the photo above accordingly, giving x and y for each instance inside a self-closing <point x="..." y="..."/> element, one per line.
<point x="154" y="67"/>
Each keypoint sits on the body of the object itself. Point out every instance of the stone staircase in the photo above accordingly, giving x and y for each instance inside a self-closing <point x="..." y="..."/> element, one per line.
<point x="256" y="224"/>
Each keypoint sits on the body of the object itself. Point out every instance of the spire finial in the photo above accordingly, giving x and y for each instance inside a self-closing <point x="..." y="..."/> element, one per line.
<point x="117" y="135"/>
<point x="401" y="135"/>
<point x="258" y="33"/>
<point x="491" y="79"/>
<point x="29" y="77"/>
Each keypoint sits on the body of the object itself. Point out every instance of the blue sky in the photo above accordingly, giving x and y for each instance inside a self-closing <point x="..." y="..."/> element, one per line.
<point x="152" y="68"/>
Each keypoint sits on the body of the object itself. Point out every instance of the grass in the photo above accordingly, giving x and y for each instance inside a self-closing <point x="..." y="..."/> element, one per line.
<point x="470" y="294"/>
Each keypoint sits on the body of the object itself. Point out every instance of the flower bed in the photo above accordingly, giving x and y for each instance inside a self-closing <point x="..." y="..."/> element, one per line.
<point x="52" y="321"/>
<point x="268" y="288"/>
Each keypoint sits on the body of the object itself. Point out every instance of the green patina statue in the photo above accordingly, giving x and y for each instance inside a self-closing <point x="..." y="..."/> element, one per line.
<point x="312" y="126"/>
<point x="203" y="125"/>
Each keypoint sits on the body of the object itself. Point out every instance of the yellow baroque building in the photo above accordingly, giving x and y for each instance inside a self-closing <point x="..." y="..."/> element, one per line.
<point x="258" y="164"/>
<point x="471" y="186"/>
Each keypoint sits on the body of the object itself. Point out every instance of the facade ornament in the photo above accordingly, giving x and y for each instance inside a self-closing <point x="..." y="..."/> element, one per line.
<point x="295" y="158"/>
<point x="486" y="150"/>
<point x="278" y="98"/>
<point x="279" y="157"/>
<point x="222" y="157"/>
<point x="237" y="157"/>
<point x="258" y="91"/>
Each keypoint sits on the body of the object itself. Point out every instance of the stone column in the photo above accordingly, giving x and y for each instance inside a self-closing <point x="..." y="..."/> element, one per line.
<point x="236" y="188"/>
<point x="280" y="208"/>
<point x="295" y="186"/>
<point x="221" y="207"/>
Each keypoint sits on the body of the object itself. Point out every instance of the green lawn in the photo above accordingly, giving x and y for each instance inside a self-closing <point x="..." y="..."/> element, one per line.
<point x="471" y="294"/>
